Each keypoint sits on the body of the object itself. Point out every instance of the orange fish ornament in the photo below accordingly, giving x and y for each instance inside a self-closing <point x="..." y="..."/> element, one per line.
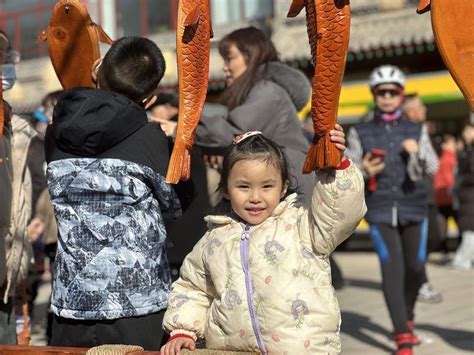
<point x="193" y="34"/>
<point x="73" y="43"/>
<point x="453" y="29"/>
<point x="328" y="24"/>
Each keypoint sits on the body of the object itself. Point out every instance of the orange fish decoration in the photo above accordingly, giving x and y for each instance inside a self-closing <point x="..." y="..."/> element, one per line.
<point x="453" y="29"/>
<point x="193" y="34"/>
<point x="73" y="43"/>
<point x="328" y="23"/>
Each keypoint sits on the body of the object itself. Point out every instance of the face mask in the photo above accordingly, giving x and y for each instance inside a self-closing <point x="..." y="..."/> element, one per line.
<point x="8" y="76"/>
<point x="40" y="116"/>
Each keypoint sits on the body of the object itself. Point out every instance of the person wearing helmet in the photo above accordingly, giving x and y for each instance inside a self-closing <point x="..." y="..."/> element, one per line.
<point x="394" y="155"/>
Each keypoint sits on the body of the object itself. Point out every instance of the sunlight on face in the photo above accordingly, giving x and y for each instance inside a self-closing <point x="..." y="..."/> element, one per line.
<point x="254" y="189"/>
<point x="234" y="65"/>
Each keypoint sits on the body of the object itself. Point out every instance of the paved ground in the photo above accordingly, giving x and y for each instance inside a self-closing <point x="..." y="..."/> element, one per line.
<point x="449" y="325"/>
<point x="365" y="322"/>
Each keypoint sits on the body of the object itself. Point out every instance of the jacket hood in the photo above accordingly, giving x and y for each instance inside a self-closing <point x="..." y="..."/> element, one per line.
<point x="292" y="80"/>
<point x="289" y="201"/>
<point x="87" y="122"/>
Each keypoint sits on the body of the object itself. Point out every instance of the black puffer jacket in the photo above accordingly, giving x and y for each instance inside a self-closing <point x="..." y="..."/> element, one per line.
<point x="466" y="188"/>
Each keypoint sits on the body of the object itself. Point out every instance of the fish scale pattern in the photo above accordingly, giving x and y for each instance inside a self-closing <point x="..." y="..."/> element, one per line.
<point x="193" y="51"/>
<point x="328" y="30"/>
<point x="328" y="25"/>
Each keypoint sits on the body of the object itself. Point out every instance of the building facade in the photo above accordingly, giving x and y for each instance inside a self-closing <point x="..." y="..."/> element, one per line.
<point x="382" y="31"/>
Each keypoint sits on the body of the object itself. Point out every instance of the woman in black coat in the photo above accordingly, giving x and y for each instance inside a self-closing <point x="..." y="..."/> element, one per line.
<point x="464" y="257"/>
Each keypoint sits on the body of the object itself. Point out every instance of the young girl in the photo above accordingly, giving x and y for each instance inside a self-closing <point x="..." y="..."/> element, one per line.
<point x="259" y="280"/>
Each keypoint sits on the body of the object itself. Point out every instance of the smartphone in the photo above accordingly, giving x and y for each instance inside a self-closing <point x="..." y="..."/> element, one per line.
<point x="377" y="153"/>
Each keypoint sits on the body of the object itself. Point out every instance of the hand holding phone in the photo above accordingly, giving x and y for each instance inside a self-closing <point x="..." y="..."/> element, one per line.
<point x="373" y="164"/>
<point x="377" y="153"/>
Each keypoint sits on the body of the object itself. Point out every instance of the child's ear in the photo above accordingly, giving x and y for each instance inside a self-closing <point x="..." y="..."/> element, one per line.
<point x="284" y="189"/>
<point x="149" y="101"/>
<point x="95" y="70"/>
<point x="225" y="194"/>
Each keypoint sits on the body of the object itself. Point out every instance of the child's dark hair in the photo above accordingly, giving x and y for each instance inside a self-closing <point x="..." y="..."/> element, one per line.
<point x="132" y="67"/>
<point x="255" y="147"/>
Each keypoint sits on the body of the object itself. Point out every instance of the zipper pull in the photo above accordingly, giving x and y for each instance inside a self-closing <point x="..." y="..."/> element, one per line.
<point x="245" y="233"/>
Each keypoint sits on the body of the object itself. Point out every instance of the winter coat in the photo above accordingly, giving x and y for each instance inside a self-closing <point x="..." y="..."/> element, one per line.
<point x="106" y="166"/>
<point x="6" y="196"/>
<point x="466" y="189"/>
<point x="271" y="107"/>
<point x="45" y="212"/>
<point x="18" y="247"/>
<point x="443" y="182"/>
<point x="401" y="195"/>
<point x="37" y="167"/>
<point x="268" y="287"/>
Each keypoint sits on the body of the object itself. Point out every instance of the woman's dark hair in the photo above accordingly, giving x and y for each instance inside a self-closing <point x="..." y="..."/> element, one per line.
<point x="8" y="49"/>
<point x="257" y="49"/>
<point x="3" y="34"/>
<point x="254" y="148"/>
<point x="165" y="97"/>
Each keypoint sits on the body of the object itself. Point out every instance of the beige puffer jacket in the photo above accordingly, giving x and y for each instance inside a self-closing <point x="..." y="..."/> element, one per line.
<point x="268" y="287"/>
<point x="19" y="252"/>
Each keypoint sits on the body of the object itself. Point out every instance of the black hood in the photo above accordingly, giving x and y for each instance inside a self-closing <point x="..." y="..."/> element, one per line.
<point x="87" y="122"/>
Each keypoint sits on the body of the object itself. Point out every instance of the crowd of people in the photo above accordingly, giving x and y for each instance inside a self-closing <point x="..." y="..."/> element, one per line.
<point x="239" y="257"/>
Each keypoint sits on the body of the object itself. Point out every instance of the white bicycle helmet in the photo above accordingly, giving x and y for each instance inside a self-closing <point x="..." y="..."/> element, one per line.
<point x="387" y="74"/>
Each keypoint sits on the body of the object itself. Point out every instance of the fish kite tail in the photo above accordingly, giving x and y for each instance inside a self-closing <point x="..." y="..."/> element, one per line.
<point x="322" y="154"/>
<point x="179" y="167"/>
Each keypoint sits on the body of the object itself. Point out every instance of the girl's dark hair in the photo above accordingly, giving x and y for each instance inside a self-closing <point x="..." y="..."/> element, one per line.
<point x="257" y="49"/>
<point x="254" y="148"/>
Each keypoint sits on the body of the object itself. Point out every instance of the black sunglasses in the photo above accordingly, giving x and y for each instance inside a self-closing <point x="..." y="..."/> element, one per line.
<point x="383" y="92"/>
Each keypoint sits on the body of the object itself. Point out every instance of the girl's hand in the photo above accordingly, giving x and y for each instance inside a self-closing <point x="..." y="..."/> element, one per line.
<point x="174" y="346"/>
<point x="338" y="137"/>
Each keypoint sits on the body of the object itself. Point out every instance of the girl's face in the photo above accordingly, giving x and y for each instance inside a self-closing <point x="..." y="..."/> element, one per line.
<point x="254" y="188"/>
<point x="234" y="64"/>
<point x="388" y="97"/>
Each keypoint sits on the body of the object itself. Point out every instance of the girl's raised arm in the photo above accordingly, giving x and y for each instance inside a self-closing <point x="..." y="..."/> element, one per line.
<point x="338" y="205"/>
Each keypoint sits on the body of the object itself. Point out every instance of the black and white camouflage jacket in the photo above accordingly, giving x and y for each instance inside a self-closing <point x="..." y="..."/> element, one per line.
<point x="106" y="167"/>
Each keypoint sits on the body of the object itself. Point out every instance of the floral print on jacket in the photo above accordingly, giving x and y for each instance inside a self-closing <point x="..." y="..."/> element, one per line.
<point x="268" y="287"/>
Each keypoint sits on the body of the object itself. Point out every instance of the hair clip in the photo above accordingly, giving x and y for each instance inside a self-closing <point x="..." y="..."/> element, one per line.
<point x="244" y="136"/>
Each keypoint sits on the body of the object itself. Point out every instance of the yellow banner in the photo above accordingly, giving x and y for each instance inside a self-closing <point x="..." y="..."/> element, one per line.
<point x="356" y="97"/>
